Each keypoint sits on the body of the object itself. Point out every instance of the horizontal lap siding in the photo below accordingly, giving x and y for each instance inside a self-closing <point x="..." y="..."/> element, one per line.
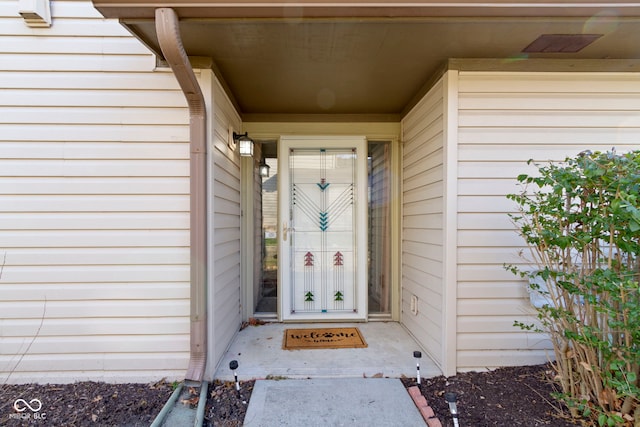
<point x="94" y="203"/>
<point x="504" y="120"/>
<point x="226" y="226"/>
<point x="422" y="233"/>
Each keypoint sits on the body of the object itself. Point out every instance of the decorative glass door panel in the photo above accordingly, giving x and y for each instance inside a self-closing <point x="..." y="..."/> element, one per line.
<point x="323" y="236"/>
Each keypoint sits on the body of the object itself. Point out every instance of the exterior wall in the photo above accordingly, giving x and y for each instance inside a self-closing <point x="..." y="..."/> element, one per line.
<point x="422" y="219"/>
<point x="94" y="204"/>
<point x="504" y="120"/>
<point x="224" y="227"/>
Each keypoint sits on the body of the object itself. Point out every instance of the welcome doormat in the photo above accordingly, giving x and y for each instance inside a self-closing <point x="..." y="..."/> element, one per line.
<point x="322" y="338"/>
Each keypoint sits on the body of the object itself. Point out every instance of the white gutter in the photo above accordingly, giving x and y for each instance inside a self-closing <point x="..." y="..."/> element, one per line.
<point x="168" y="30"/>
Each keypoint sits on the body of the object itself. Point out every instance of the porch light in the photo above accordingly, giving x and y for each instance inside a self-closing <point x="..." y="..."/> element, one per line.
<point x="245" y="143"/>
<point x="263" y="169"/>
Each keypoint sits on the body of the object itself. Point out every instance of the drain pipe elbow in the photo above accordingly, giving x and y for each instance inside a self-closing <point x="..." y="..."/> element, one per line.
<point x="168" y="30"/>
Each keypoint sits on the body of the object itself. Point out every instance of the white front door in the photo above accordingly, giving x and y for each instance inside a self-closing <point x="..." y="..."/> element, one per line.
<point x="323" y="228"/>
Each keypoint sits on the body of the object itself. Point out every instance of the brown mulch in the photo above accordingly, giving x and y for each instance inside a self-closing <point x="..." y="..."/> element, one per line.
<point x="515" y="396"/>
<point x="83" y="404"/>
<point x="225" y="406"/>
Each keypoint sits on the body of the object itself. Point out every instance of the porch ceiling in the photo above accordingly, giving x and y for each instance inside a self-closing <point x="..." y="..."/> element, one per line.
<point x="371" y="58"/>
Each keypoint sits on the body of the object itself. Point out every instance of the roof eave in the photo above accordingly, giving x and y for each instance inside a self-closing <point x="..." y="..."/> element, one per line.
<point x="212" y="9"/>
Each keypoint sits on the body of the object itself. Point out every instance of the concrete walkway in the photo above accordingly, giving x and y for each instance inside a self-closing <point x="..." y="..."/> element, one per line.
<point x="376" y="402"/>
<point x="258" y="350"/>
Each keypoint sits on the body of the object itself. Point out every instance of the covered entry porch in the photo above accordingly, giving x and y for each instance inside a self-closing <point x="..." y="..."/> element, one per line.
<point x="389" y="353"/>
<point x="291" y="70"/>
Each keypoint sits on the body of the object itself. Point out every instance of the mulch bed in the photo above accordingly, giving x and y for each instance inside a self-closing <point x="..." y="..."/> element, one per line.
<point x="225" y="408"/>
<point x="84" y="404"/>
<point x="515" y="396"/>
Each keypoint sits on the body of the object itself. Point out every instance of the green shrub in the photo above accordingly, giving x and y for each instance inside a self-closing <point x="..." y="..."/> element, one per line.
<point x="581" y="220"/>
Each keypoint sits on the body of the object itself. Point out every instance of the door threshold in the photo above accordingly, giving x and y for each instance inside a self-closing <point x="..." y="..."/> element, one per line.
<point x="380" y="317"/>
<point x="273" y="317"/>
<point x="269" y="317"/>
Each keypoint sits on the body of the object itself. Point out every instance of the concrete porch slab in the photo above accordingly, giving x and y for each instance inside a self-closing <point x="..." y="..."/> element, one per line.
<point x="258" y="350"/>
<point x="331" y="402"/>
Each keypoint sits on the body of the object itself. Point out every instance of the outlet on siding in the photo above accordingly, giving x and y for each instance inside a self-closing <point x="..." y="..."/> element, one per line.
<point x="414" y="305"/>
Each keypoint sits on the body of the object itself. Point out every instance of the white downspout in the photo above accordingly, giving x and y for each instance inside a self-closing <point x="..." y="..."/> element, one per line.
<point x="168" y="30"/>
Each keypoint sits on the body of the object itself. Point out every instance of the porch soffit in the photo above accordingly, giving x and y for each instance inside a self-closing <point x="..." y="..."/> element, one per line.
<point x="368" y="60"/>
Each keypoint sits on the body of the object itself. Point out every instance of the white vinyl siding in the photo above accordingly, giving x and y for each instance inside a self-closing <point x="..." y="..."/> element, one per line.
<point x="224" y="286"/>
<point x="94" y="203"/>
<point x="422" y="219"/>
<point x="504" y="120"/>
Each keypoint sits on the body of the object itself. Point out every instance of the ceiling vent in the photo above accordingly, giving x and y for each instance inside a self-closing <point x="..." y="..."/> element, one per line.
<point x="36" y="13"/>
<point x="561" y="43"/>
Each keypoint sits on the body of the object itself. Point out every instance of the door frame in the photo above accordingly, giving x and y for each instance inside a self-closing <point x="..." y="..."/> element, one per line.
<point x="284" y="291"/>
<point x="272" y="131"/>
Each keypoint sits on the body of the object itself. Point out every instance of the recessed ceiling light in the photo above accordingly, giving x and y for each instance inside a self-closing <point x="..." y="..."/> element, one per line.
<point x="563" y="43"/>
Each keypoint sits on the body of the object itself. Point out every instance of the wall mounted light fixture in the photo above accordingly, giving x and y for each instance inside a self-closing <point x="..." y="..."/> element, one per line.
<point x="245" y="143"/>
<point x="263" y="169"/>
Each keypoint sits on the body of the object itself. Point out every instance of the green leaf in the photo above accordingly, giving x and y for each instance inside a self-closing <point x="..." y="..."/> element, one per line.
<point x="602" y="419"/>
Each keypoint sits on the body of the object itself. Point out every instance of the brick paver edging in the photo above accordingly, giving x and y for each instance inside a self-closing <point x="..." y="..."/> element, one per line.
<point x="424" y="408"/>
